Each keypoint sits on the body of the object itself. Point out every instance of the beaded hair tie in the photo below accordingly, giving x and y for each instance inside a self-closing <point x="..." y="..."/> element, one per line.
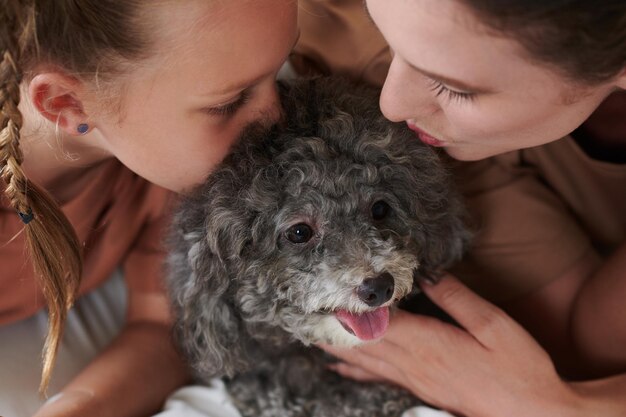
<point x="26" y="217"/>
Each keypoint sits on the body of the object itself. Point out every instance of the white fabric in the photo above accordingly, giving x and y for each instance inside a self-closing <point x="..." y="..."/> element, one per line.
<point x="213" y="401"/>
<point x="423" y="411"/>
<point x="287" y="72"/>
<point x="200" y="401"/>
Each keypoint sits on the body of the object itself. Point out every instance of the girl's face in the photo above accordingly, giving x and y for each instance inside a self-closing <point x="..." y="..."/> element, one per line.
<point x="463" y="88"/>
<point x="213" y="74"/>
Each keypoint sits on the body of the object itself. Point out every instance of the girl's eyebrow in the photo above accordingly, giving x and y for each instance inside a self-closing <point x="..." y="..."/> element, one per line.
<point x="241" y="86"/>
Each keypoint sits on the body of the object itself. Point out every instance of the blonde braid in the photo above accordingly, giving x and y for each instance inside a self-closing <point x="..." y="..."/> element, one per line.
<point x="53" y="246"/>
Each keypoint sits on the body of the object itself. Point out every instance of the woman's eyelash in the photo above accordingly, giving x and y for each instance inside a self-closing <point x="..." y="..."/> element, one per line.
<point x="230" y="108"/>
<point x="440" y="89"/>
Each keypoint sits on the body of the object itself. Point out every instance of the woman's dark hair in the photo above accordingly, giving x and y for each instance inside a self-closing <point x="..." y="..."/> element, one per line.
<point x="584" y="39"/>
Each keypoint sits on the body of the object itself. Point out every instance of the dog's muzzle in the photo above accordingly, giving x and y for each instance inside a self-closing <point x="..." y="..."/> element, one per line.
<point x="370" y="325"/>
<point x="376" y="291"/>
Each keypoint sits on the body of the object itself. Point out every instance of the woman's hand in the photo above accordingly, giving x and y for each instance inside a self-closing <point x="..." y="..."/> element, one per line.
<point x="491" y="366"/>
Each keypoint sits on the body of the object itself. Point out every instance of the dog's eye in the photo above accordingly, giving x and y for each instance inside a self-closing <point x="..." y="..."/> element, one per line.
<point x="299" y="233"/>
<point x="380" y="210"/>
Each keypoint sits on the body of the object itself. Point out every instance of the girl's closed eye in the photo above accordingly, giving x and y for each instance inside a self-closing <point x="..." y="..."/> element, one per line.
<point x="439" y="89"/>
<point x="231" y="107"/>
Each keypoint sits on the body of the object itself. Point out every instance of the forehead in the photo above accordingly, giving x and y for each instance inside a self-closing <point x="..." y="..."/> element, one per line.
<point x="333" y="191"/>
<point x="446" y="37"/>
<point x="220" y="42"/>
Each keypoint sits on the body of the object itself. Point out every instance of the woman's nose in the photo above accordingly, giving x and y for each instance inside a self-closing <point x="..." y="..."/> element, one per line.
<point x="405" y="95"/>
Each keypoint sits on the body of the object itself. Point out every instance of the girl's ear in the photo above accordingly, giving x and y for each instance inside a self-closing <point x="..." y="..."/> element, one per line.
<point x="58" y="97"/>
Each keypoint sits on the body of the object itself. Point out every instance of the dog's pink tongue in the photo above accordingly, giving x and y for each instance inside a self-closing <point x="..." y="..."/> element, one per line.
<point x="366" y="326"/>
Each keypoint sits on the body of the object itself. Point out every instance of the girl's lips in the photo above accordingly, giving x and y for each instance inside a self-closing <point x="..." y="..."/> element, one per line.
<point x="425" y="137"/>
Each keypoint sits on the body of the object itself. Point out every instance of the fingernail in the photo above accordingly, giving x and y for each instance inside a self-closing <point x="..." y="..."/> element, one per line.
<point x="432" y="278"/>
<point x="426" y="281"/>
<point x="53" y="398"/>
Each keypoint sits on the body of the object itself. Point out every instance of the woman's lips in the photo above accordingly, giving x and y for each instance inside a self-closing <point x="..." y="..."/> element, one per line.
<point x="425" y="137"/>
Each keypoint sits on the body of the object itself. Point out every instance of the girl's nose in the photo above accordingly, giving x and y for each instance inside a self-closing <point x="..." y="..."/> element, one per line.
<point x="269" y="102"/>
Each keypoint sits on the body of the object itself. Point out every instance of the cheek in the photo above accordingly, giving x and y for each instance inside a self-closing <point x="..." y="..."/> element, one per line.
<point x="463" y="123"/>
<point x="502" y="120"/>
<point x="176" y="152"/>
<point x="212" y="143"/>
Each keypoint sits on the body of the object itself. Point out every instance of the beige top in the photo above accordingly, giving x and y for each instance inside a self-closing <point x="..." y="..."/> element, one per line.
<point x="118" y="218"/>
<point x="536" y="211"/>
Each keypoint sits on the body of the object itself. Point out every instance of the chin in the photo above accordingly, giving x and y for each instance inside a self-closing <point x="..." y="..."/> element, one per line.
<point x="472" y="153"/>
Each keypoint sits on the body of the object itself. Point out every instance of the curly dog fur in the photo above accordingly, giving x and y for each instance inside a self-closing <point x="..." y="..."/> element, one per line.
<point x="332" y="213"/>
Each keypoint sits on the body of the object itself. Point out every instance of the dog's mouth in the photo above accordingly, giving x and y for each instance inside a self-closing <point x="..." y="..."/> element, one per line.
<point x="366" y="326"/>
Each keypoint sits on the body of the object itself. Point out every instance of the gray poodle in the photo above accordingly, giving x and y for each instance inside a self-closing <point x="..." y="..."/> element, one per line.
<point x="311" y="231"/>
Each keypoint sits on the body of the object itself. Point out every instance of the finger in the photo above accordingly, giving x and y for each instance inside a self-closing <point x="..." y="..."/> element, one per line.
<point x="361" y="355"/>
<point x="407" y="329"/>
<point x="379" y="359"/>
<point x="478" y="316"/>
<point x="354" y="372"/>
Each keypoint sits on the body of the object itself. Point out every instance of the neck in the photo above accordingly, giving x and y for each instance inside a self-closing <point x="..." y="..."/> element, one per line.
<point x="58" y="162"/>
<point x="607" y="125"/>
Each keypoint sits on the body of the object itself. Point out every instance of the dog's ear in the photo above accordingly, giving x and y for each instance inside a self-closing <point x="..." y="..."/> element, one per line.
<point x="444" y="242"/>
<point x="205" y="237"/>
<point x="209" y="237"/>
<point x="435" y="216"/>
<point x="443" y="230"/>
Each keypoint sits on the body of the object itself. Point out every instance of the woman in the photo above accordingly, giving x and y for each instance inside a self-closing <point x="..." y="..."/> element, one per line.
<point x="501" y="83"/>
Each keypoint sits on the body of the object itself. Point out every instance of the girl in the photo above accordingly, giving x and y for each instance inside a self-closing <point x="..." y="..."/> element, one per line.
<point x="500" y="83"/>
<point x="107" y="105"/>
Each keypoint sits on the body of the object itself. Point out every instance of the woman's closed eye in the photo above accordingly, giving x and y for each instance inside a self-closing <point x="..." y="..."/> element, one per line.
<point x="450" y="94"/>
<point x="231" y="107"/>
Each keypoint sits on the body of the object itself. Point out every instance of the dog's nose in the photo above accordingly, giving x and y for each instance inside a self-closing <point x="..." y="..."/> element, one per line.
<point x="376" y="291"/>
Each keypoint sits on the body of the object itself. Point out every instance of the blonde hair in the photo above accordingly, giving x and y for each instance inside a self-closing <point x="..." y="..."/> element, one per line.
<point x="83" y="37"/>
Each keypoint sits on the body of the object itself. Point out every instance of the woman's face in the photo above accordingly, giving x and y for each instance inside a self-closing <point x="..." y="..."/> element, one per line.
<point x="467" y="90"/>
<point x="212" y="75"/>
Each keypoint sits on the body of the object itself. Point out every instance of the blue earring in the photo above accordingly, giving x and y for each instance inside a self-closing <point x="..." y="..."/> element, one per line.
<point x="82" y="128"/>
